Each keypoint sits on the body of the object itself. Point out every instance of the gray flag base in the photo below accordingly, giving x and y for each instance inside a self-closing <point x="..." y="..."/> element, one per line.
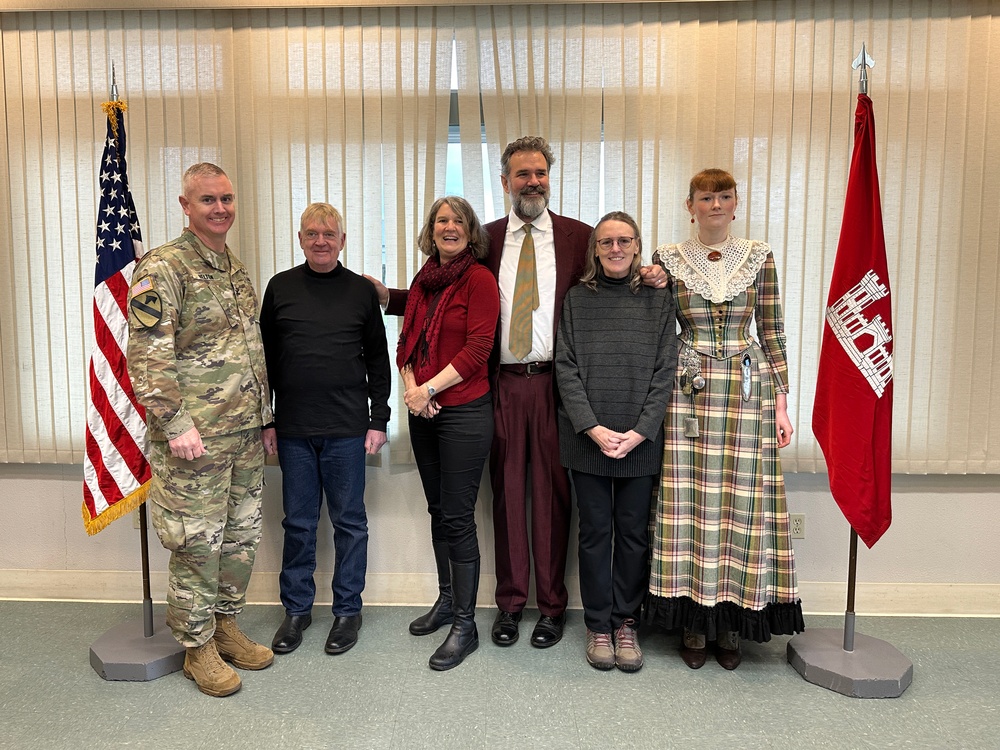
<point x="126" y="653"/>
<point x="873" y="669"/>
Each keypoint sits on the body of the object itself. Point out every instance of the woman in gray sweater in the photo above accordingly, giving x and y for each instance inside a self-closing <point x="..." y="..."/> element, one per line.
<point x="616" y="352"/>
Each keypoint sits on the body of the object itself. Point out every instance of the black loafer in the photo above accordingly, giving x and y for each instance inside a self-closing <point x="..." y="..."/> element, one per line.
<point x="504" y="631"/>
<point x="343" y="634"/>
<point x="289" y="635"/>
<point x="548" y="631"/>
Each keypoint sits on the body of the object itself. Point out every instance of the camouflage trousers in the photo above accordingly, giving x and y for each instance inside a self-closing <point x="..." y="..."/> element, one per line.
<point x="207" y="513"/>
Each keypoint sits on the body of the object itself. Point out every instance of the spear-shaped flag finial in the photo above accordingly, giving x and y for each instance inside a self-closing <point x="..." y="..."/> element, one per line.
<point x="863" y="61"/>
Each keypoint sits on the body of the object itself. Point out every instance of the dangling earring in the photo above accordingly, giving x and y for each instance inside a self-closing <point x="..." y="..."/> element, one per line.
<point x="692" y="220"/>
<point x="734" y="217"/>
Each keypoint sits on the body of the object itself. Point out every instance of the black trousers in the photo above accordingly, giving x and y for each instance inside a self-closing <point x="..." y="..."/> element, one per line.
<point x="451" y="451"/>
<point x="614" y="547"/>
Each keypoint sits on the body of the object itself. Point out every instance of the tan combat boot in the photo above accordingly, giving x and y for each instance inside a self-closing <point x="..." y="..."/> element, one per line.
<point x="212" y="675"/>
<point x="235" y="647"/>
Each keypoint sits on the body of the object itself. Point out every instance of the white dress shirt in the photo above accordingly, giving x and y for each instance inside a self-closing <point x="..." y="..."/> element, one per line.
<point x="542" y="320"/>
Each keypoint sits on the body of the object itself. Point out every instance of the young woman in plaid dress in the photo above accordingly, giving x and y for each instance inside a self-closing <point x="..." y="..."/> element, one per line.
<point x="722" y="566"/>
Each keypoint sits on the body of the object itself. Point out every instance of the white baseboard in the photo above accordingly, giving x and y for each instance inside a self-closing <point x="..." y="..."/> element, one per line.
<point x="402" y="589"/>
<point x="906" y="599"/>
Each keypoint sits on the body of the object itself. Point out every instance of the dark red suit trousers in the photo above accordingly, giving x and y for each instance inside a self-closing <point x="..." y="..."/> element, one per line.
<point x="525" y="435"/>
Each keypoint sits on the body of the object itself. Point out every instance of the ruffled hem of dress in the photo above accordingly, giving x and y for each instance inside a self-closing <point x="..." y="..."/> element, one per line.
<point x="679" y="612"/>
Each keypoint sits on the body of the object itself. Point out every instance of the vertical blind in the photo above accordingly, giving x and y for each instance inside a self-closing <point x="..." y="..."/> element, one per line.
<point x="351" y="106"/>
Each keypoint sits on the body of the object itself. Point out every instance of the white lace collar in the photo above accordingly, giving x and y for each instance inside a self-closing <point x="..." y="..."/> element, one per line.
<point x="721" y="280"/>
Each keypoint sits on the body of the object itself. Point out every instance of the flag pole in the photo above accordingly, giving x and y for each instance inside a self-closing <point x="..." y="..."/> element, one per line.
<point x="147" y="598"/>
<point x="852" y="578"/>
<point x="861" y="63"/>
<point x="123" y="652"/>
<point x="847" y="662"/>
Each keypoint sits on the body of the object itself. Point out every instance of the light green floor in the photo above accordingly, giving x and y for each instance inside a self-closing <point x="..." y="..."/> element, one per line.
<point x="381" y="694"/>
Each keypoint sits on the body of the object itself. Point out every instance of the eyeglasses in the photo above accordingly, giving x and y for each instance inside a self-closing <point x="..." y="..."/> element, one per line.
<point x="328" y="236"/>
<point x="623" y="242"/>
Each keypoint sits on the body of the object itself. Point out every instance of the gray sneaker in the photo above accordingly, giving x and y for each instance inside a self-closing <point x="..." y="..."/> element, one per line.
<point x="628" y="655"/>
<point x="600" y="652"/>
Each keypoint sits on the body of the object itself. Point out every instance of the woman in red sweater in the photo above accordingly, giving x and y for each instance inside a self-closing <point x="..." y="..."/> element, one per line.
<point x="448" y="332"/>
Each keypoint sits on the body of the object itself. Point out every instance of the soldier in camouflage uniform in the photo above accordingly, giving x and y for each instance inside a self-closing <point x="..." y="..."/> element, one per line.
<point x="196" y="362"/>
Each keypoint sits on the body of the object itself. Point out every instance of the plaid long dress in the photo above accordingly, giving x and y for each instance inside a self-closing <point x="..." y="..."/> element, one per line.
<point x="722" y="556"/>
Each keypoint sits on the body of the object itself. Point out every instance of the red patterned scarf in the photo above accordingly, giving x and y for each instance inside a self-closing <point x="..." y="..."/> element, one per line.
<point x="430" y="294"/>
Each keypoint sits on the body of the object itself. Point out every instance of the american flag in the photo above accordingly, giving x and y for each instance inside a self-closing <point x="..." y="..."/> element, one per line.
<point x="116" y="472"/>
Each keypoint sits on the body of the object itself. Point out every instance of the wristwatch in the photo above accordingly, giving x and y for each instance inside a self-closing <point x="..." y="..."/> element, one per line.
<point x="431" y="390"/>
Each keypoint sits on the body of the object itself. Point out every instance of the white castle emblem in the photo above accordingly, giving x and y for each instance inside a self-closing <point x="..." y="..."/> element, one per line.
<point x="847" y="320"/>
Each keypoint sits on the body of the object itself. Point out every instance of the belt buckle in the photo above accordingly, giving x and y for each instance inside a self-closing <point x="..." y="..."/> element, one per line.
<point x="532" y="368"/>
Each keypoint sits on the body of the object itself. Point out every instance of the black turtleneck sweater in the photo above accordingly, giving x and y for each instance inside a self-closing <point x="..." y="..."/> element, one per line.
<point x="327" y="356"/>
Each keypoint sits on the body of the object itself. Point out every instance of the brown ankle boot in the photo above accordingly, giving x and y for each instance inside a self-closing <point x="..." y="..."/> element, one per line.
<point x="235" y="647"/>
<point x="727" y="650"/>
<point x="693" y="650"/>
<point x="212" y="675"/>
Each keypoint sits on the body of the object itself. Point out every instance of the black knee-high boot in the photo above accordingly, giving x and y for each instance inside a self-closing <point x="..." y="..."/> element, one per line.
<point x="463" y="638"/>
<point x="440" y="613"/>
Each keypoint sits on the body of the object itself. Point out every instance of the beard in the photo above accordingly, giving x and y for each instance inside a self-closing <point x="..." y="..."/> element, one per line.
<point x="529" y="206"/>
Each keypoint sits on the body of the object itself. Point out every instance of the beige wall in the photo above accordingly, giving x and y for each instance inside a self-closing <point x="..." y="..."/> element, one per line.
<point x="939" y="556"/>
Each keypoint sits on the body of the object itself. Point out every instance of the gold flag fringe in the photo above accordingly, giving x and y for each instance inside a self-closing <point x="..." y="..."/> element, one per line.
<point x="122" y="508"/>
<point x="119" y="105"/>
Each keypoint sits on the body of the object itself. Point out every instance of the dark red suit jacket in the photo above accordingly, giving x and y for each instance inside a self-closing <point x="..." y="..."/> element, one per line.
<point x="571" y="238"/>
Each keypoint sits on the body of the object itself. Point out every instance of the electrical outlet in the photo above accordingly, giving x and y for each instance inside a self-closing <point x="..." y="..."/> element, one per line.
<point x="797" y="525"/>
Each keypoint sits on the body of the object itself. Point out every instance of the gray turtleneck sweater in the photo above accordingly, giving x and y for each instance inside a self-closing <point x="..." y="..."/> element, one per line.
<point x="616" y="354"/>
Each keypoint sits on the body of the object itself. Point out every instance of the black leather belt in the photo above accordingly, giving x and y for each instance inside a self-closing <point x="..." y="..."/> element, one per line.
<point x="528" y="368"/>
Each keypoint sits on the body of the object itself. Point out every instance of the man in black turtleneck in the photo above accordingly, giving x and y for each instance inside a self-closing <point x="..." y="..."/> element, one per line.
<point x="328" y="365"/>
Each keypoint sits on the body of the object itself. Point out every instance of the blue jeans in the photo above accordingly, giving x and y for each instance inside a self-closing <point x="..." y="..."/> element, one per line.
<point x="311" y="467"/>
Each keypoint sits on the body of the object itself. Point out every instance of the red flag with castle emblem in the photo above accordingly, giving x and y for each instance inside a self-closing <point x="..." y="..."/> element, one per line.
<point x="852" y="413"/>
<point x="116" y="472"/>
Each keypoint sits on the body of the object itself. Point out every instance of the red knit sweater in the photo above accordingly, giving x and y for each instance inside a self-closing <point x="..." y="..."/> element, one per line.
<point x="467" y="334"/>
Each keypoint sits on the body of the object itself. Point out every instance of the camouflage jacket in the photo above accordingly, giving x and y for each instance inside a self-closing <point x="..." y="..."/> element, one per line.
<point x="195" y="355"/>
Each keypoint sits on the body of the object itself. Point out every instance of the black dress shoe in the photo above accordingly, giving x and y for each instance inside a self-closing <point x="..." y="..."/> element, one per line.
<point x="289" y="635"/>
<point x="343" y="634"/>
<point x="548" y="631"/>
<point x="504" y="631"/>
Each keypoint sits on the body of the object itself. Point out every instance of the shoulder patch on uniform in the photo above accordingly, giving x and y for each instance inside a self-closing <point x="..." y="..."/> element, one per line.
<point x="147" y="308"/>
<point x="145" y="284"/>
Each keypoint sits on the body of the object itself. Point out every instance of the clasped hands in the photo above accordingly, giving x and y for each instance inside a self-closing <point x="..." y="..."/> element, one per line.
<point x="614" y="444"/>
<point x="420" y="403"/>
